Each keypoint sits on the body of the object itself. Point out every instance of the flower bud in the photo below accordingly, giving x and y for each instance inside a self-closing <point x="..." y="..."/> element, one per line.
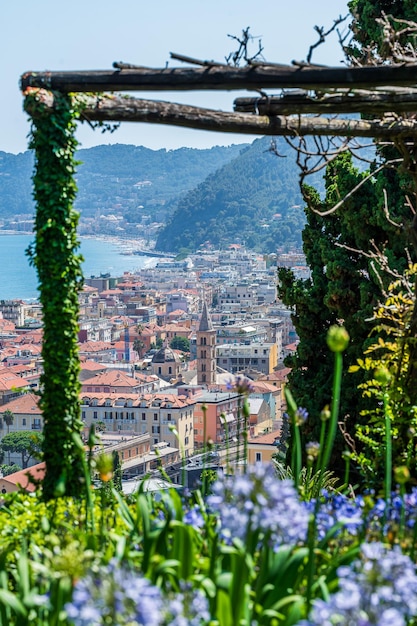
<point x="325" y="414"/>
<point x="401" y="475"/>
<point x="104" y="466"/>
<point x="312" y="449"/>
<point x="337" y="338"/>
<point x="382" y="375"/>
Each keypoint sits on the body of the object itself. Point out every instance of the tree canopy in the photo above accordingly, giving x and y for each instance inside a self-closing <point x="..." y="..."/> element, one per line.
<point x="25" y="442"/>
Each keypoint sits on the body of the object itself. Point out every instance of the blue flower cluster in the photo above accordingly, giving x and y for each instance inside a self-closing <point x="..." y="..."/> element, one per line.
<point x="241" y="384"/>
<point x="363" y="513"/>
<point x="258" y="501"/>
<point x="118" y="595"/>
<point x="378" y="589"/>
<point x="336" y="508"/>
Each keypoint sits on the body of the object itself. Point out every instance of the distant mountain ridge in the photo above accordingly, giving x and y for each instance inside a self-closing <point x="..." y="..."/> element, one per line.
<point x="109" y="177"/>
<point x="227" y="194"/>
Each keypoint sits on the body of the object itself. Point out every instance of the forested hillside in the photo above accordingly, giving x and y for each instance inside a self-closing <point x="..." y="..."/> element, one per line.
<point x="254" y="199"/>
<point x="238" y="194"/>
<point x="116" y="177"/>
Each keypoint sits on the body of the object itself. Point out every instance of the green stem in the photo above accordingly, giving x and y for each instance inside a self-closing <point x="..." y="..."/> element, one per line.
<point x="388" y="451"/>
<point x="298" y="456"/>
<point x="337" y="384"/>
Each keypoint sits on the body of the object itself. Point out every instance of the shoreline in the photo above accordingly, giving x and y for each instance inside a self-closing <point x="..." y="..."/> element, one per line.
<point x="102" y="254"/>
<point x="134" y="246"/>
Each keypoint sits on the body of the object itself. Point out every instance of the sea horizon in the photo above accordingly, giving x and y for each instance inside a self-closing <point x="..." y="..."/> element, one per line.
<point x="103" y="254"/>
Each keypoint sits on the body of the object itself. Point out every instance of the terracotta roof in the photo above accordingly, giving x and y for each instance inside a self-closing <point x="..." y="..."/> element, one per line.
<point x="89" y="288"/>
<point x="267" y="439"/>
<point x="27" y="403"/>
<point x="21" y="478"/>
<point x="177" y="313"/>
<point x="8" y="380"/>
<point x="176" y="402"/>
<point x="113" y="378"/>
<point x="261" y="386"/>
<point x="92" y="366"/>
<point x="281" y="374"/>
<point x="95" y="346"/>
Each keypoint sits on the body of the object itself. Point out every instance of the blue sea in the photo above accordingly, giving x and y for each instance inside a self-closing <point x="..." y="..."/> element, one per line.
<point x="18" y="279"/>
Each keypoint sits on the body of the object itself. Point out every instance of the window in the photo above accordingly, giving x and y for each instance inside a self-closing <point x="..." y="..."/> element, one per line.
<point x="95" y="415"/>
<point x="144" y="416"/>
<point x="83" y="415"/>
<point x="155" y="417"/>
<point x="24" y="421"/>
<point x="169" y="417"/>
<point x="258" y="458"/>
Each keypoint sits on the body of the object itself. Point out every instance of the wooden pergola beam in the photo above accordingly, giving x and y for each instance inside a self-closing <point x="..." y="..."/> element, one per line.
<point x="304" y="103"/>
<point x="222" y="78"/>
<point x="116" y="108"/>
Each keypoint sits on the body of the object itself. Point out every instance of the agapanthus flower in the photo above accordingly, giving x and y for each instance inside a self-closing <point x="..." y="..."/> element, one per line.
<point x="336" y="508"/>
<point x="379" y="589"/>
<point x="240" y="384"/>
<point x="258" y="501"/>
<point x="117" y="594"/>
<point x="193" y="517"/>
<point x="300" y="416"/>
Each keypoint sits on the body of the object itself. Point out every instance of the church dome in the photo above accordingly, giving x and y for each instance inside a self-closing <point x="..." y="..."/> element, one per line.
<point x="165" y="355"/>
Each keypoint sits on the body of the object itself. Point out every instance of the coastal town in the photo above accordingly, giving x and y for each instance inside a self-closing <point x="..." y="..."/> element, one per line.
<point x="160" y="350"/>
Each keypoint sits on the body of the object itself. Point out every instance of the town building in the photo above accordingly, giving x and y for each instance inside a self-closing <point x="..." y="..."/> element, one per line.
<point x="239" y="358"/>
<point x="166" y="417"/>
<point x="206" y="349"/>
<point x="217" y="418"/>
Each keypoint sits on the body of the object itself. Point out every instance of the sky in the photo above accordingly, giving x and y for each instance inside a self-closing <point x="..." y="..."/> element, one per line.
<point x="39" y="35"/>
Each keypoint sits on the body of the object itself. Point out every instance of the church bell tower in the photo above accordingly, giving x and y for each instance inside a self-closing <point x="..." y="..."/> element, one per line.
<point x="206" y="350"/>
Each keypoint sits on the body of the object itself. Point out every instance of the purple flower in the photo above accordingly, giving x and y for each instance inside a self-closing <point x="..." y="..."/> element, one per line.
<point x="115" y="594"/>
<point x="259" y="502"/>
<point x="335" y="509"/>
<point x="241" y="385"/>
<point x="194" y="518"/>
<point x="379" y="589"/>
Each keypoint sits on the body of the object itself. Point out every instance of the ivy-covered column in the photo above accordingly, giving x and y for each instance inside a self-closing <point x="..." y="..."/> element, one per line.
<point x="58" y="265"/>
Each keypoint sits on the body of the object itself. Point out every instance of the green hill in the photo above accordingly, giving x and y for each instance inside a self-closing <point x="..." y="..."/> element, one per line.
<point x="117" y="176"/>
<point x="254" y="199"/>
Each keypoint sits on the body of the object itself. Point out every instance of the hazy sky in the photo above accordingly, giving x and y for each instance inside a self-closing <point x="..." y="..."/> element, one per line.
<point x="89" y="34"/>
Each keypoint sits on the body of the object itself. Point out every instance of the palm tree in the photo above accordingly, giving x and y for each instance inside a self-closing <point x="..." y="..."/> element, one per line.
<point x="138" y="346"/>
<point x="8" y="417"/>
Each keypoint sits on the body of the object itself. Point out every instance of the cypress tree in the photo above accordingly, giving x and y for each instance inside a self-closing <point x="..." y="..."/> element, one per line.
<point x="345" y="284"/>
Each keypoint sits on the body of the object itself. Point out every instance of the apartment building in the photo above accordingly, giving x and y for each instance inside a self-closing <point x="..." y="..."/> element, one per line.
<point x="262" y="357"/>
<point x="217" y="418"/>
<point x="166" y="417"/>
